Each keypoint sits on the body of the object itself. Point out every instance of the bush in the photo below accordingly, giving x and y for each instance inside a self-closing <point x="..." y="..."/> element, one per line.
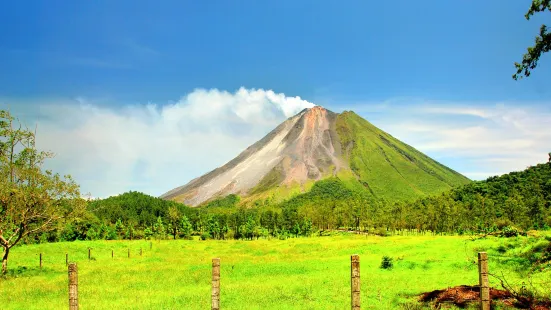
<point x="509" y="231"/>
<point x="230" y="234"/>
<point x="386" y="262"/>
<point x="139" y="234"/>
<point x="503" y="223"/>
<point x="205" y="236"/>
<point x="381" y="232"/>
<point x="501" y="249"/>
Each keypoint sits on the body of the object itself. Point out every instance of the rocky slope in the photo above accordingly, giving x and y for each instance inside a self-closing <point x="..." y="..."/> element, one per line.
<point x="315" y="144"/>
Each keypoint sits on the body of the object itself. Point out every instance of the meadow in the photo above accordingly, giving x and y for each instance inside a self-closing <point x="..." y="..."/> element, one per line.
<point x="297" y="273"/>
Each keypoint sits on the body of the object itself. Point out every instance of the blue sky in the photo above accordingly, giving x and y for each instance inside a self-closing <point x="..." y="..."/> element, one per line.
<point x="436" y="74"/>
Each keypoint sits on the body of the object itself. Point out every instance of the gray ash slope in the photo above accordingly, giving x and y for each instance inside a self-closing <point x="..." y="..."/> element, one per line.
<point x="301" y="148"/>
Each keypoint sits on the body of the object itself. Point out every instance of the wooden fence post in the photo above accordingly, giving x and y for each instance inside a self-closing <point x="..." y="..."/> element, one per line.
<point x="112" y="254"/>
<point x="73" y="286"/>
<point x="128" y="253"/>
<point x="89" y="253"/>
<point x="215" y="283"/>
<point x="355" y="281"/>
<point x="483" y="281"/>
<point x="40" y="260"/>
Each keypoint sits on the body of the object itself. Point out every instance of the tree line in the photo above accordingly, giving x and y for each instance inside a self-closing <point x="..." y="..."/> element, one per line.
<point x="519" y="200"/>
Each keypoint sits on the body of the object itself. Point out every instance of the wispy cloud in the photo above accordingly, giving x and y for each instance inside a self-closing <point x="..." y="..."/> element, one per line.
<point x="455" y="111"/>
<point x="496" y="138"/>
<point x="138" y="48"/>
<point x="98" y="63"/>
<point x="154" y="147"/>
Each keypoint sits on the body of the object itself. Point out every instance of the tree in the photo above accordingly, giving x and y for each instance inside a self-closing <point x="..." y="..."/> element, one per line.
<point x="119" y="228"/>
<point x="296" y="230"/>
<point x="159" y="228"/>
<point x="185" y="227"/>
<point x="173" y="220"/>
<point x="249" y="228"/>
<point x="542" y="44"/>
<point x="32" y="200"/>
<point x="213" y="228"/>
<point x="307" y="228"/>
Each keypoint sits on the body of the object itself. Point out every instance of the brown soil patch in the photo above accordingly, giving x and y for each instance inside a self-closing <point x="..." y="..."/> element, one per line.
<point x="462" y="295"/>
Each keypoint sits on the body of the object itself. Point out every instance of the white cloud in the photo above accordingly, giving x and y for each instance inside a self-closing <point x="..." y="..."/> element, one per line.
<point x="153" y="148"/>
<point x="477" y="140"/>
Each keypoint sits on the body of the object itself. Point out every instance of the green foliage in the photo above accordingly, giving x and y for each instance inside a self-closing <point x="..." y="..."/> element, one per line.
<point x="386" y="262"/>
<point x="270" y="180"/>
<point x="135" y="207"/>
<point x="542" y="42"/>
<point x="159" y="229"/>
<point x="174" y="216"/>
<point x="119" y="228"/>
<point x="185" y="227"/>
<point x="148" y="233"/>
<point x="539" y="253"/>
<point x="205" y="236"/>
<point x="229" y="201"/>
<point x="307" y="227"/>
<point x="213" y="228"/>
<point x="508" y="232"/>
<point x="388" y="168"/>
<point x="32" y="200"/>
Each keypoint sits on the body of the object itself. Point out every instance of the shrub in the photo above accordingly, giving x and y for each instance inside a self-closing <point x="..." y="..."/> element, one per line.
<point x="230" y="234"/>
<point x="503" y="223"/>
<point x="540" y="252"/>
<point x="381" y="232"/>
<point x="386" y="262"/>
<point x="509" y="231"/>
<point x="501" y="249"/>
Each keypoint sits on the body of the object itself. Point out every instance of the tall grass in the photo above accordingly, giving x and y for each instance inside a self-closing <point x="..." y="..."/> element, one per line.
<point x="303" y="273"/>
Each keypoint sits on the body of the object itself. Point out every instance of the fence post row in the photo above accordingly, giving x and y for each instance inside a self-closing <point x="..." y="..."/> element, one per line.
<point x="483" y="281"/>
<point x="73" y="286"/>
<point x="40" y="260"/>
<point x="215" y="283"/>
<point x="355" y="281"/>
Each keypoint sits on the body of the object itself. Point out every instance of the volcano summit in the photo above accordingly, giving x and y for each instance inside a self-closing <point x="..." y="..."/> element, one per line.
<point x="316" y="144"/>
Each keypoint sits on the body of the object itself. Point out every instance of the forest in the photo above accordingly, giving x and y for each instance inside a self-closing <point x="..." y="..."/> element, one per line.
<point x="513" y="202"/>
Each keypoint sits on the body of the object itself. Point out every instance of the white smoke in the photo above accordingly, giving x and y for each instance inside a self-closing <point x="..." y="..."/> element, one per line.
<point x="153" y="148"/>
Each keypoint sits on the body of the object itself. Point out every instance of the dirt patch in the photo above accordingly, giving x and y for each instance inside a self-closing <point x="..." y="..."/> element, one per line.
<point x="463" y="295"/>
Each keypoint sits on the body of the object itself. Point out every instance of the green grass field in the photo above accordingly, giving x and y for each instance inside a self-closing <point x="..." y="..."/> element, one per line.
<point x="303" y="273"/>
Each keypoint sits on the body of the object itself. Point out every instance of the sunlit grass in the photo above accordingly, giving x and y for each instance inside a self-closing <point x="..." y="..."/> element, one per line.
<point x="303" y="273"/>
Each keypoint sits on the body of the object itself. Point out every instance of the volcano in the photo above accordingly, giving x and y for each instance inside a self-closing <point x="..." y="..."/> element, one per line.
<point x="316" y="144"/>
